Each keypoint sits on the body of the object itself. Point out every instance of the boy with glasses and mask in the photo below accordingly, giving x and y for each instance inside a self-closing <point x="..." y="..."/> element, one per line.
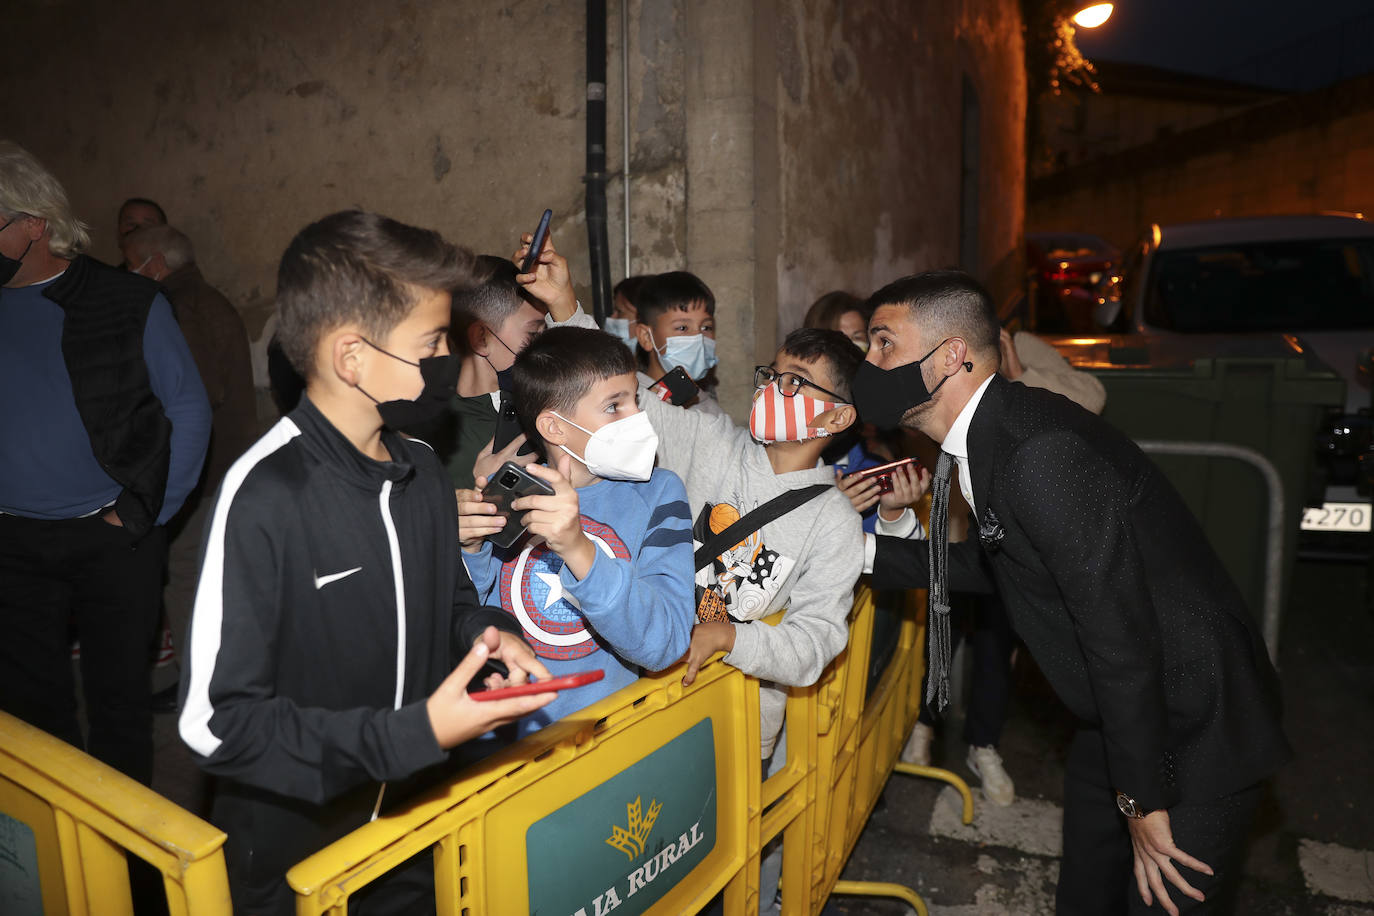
<point x="806" y="560"/>
<point x="675" y="326"/>
<point x="603" y="579"/>
<point x="492" y="322"/>
<point x="335" y="631"/>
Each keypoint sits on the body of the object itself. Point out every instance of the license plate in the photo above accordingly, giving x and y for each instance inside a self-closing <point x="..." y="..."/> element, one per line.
<point x="1337" y="517"/>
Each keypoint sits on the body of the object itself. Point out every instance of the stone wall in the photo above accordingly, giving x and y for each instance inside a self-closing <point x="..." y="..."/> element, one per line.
<point x="1301" y="154"/>
<point x="779" y="149"/>
<point x="869" y="143"/>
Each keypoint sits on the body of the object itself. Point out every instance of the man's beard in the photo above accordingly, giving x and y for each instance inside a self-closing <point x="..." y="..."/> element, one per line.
<point x="914" y="418"/>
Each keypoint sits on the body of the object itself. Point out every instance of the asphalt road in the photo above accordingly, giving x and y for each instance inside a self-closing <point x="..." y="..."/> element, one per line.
<point x="1311" y="852"/>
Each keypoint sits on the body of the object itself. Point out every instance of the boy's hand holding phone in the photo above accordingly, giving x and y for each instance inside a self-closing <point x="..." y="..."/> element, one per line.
<point x="862" y="492"/>
<point x="455" y="717"/>
<point x="549" y="280"/>
<point x="477" y="519"/>
<point x="558" y="518"/>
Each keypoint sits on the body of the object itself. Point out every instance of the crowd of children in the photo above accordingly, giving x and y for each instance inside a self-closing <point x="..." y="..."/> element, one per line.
<point x="352" y="591"/>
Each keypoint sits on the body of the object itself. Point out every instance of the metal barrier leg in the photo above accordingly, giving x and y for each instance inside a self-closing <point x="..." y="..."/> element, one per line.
<point x="882" y="889"/>
<point x="912" y="769"/>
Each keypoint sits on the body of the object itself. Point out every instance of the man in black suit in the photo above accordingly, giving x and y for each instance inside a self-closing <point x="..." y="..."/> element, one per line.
<point x="1111" y="583"/>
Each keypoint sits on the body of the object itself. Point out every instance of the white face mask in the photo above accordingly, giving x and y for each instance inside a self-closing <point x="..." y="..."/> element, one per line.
<point x="623" y="449"/>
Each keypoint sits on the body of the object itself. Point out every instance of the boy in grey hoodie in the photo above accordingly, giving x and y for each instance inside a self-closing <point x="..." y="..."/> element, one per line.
<point x="809" y="559"/>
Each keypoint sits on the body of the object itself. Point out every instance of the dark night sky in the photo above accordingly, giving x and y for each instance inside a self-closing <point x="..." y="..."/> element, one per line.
<point x="1280" y="43"/>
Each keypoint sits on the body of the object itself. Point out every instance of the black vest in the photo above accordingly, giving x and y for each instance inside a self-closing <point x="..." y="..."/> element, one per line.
<point x="102" y="345"/>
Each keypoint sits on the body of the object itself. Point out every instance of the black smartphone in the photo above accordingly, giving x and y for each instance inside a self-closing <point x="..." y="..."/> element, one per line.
<point x="508" y="427"/>
<point x="677" y="388"/>
<point x="537" y="243"/>
<point x="509" y="483"/>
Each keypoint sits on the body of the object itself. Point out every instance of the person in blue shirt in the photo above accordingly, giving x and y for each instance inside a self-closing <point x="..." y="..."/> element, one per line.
<point x="604" y="577"/>
<point x="106" y="425"/>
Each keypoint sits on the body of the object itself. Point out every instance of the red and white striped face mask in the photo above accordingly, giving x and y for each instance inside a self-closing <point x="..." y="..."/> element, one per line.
<point x="776" y="418"/>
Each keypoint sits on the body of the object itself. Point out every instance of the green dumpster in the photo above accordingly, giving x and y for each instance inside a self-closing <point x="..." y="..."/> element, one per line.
<point x="1273" y="405"/>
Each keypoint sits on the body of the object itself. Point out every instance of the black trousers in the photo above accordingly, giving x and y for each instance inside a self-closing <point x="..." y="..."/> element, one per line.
<point x="87" y="577"/>
<point x="1096" y="876"/>
<point x="992" y="642"/>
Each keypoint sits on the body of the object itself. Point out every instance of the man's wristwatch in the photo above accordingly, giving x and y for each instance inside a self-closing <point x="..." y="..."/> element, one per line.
<point x="1128" y="806"/>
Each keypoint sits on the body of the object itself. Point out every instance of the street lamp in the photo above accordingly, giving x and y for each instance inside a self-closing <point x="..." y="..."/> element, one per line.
<point x="1090" y="17"/>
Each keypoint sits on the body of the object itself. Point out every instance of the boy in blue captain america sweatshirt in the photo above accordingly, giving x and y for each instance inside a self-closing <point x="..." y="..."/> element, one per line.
<point x="604" y="577"/>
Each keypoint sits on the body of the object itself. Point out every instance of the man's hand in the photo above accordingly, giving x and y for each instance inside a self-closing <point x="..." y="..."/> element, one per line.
<point x="558" y="518"/>
<point x="707" y="640"/>
<point x="909" y="483"/>
<point x="490" y="460"/>
<point x="1011" y="363"/>
<point x="1154" y="847"/>
<point x="477" y="519"/>
<point x="550" y="281"/>
<point x="112" y="518"/>
<point x="455" y="717"/>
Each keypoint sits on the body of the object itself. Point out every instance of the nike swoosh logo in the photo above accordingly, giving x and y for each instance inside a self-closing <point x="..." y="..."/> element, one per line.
<point x="322" y="581"/>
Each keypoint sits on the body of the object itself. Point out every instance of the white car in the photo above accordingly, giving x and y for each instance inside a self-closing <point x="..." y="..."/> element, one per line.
<point x="1232" y="287"/>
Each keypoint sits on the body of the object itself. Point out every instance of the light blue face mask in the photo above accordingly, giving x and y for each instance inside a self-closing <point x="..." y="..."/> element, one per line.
<point x="620" y="328"/>
<point x="695" y="353"/>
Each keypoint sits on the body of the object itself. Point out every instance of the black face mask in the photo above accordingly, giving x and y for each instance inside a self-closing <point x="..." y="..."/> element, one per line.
<point x="505" y="378"/>
<point x="883" y="396"/>
<point x="441" y="377"/>
<point x="10" y="266"/>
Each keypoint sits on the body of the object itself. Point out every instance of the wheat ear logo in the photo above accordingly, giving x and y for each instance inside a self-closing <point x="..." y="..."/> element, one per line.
<point x="632" y="838"/>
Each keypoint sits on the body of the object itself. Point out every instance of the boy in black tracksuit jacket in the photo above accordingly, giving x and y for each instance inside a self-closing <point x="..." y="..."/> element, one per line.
<point x="333" y="605"/>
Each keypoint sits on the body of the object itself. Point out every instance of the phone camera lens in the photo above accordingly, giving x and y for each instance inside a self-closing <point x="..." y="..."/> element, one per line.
<point x="509" y="479"/>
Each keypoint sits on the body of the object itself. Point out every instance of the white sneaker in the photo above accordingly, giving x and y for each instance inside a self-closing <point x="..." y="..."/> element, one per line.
<point x="986" y="764"/>
<point x="917" y="748"/>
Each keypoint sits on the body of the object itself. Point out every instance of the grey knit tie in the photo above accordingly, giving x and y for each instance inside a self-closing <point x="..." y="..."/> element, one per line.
<point x="937" y="617"/>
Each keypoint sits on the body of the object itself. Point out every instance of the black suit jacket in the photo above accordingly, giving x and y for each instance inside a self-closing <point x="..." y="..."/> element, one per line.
<point x="1111" y="582"/>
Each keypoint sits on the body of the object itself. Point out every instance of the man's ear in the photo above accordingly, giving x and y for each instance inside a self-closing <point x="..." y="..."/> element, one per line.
<point x="838" y="420"/>
<point x="346" y="354"/>
<point x="160" y="265"/>
<point x="550" y="428"/>
<point x="956" y="354"/>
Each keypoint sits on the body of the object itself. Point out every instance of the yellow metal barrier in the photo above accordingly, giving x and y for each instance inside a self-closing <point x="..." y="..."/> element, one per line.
<point x="68" y="824"/>
<point x="647" y="801"/>
<point x="651" y="800"/>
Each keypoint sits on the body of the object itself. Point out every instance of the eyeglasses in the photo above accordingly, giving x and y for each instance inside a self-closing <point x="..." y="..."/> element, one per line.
<point x="789" y="383"/>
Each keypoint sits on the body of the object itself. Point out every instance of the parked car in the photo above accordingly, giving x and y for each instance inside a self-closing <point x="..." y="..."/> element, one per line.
<point x="1227" y="287"/>
<point x="1068" y="272"/>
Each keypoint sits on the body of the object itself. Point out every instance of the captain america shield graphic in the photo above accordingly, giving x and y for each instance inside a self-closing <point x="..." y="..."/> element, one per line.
<point x="532" y="590"/>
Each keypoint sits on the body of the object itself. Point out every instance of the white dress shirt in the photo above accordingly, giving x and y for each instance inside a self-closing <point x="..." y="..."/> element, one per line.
<point x="956" y="443"/>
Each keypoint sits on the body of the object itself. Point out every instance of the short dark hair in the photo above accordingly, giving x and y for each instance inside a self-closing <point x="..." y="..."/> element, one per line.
<point x="825" y="312"/>
<point x="491" y="300"/>
<point x="629" y="288"/>
<point x="358" y="266"/>
<point x="677" y="289"/>
<point x="560" y="366"/>
<point x="949" y="303"/>
<point x="144" y="202"/>
<point x="839" y="354"/>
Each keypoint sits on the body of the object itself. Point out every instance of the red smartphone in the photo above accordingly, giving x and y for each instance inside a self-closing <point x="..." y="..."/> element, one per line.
<point x="883" y="473"/>
<point x="567" y="682"/>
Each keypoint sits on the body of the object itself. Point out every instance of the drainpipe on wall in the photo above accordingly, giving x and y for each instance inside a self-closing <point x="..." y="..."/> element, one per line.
<point x="598" y="243"/>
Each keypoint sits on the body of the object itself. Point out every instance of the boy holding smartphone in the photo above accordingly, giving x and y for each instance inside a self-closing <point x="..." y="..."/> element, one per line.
<point x="676" y="329"/>
<point x="335" y="632"/>
<point x="604" y="577"/>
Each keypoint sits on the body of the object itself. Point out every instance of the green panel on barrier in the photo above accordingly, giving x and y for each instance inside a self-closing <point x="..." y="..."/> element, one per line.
<point x="626" y="843"/>
<point x="20" y="891"/>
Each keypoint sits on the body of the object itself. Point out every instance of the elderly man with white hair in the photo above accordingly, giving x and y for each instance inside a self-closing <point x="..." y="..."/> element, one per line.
<point x="106" y="423"/>
<point x="219" y="344"/>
